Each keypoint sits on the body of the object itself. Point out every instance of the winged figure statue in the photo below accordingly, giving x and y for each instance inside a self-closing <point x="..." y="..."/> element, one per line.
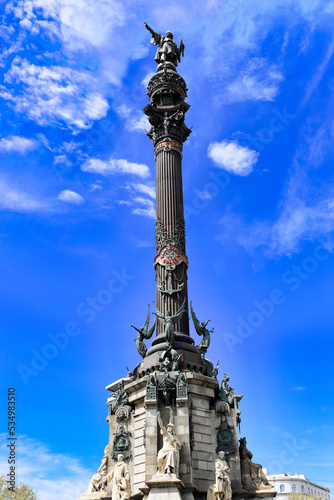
<point x="169" y="322"/>
<point x="144" y="333"/>
<point x="201" y="329"/>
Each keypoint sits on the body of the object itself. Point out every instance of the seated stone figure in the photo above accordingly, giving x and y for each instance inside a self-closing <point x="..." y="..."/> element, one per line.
<point x="252" y="474"/>
<point x="99" y="480"/>
<point x="168" y="456"/>
<point x="221" y="490"/>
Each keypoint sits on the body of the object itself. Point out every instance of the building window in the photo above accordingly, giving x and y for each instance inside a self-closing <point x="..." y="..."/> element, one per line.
<point x="302" y="488"/>
<point x="293" y="488"/>
<point x="281" y="488"/>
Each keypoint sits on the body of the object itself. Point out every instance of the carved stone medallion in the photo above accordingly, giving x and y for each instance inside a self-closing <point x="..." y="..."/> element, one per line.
<point x="225" y="439"/>
<point x="121" y="443"/>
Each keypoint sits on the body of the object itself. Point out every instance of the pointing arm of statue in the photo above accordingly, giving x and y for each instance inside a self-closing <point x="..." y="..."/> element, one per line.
<point x="155" y="40"/>
<point x="149" y="28"/>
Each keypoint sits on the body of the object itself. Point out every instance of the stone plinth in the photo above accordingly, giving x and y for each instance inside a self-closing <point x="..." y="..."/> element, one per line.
<point x="96" y="495"/>
<point x="265" y="494"/>
<point x="166" y="486"/>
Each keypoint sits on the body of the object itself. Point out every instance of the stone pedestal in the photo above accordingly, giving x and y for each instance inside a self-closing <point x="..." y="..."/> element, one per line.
<point x="266" y="494"/>
<point x="97" y="495"/>
<point x="166" y="486"/>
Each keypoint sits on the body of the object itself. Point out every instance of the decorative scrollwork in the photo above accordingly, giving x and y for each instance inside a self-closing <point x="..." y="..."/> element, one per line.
<point x="167" y="124"/>
<point x="170" y="79"/>
<point x="177" y="238"/>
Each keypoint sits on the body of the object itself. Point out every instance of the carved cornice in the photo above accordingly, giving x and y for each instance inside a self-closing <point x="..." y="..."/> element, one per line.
<point x="167" y="123"/>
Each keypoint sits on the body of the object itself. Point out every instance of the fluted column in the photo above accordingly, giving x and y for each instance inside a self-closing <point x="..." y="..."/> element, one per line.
<point x="170" y="215"/>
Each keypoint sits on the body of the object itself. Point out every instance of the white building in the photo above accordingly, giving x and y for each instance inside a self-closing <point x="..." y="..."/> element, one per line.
<point x="288" y="483"/>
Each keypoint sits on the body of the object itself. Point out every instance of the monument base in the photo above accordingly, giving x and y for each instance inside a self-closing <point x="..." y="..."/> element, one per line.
<point x="166" y="486"/>
<point x="96" y="495"/>
<point x="263" y="494"/>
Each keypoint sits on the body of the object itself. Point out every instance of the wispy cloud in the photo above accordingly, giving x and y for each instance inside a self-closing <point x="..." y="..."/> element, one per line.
<point x="53" y="94"/>
<point x="258" y="82"/>
<point x="140" y="205"/>
<point x="52" y="475"/>
<point x="313" y="84"/>
<point x="228" y="155"/>
<point x="112" y="166"/>
<point x="134" y="120"/>
<point x="15" y="143"/>
<point x="71" y="197"/>
<point x="306" y="208"/>
<point x="297" y="222"/>
<point x="145" y="189"/>
<point x="299" y="389"/>
<point x="15" y="199"/>
<point x="147" y="211"/>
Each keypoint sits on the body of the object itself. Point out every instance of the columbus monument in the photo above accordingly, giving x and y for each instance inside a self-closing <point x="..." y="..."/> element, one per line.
<point x="173" y="428"/>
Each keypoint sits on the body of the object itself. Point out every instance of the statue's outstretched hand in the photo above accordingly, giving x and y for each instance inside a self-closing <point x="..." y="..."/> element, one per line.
<point x="148" y="28"/>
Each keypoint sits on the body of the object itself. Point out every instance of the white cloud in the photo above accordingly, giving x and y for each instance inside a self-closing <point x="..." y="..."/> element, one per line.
<point x="134" y="120"/>
<point x="145" y="212"/>
<point x="15" y="143"/>
<point x="136" y="199"/>
<point x="94" y="165"/>
<point x="95" y="187"/>
<point x="148" y="211"/>
<point x="53" y="475"/>
<point x="14" y="199"/>
<point x="204" y="195"/>
<point x="143" y="188"/>
<point x="76" y="23"/>
<point x="62" y="159"/>
<point x="299" y="388"/>
<point x="54" y="94"/>
<point x="306" y="208"/>
<point x="238" y="160"/>
<point x="140" y="51"/>
<point x="312" y="86"/>
<point x="123" y="202"/>
<point x="297" y="222"/>
<point x="258" y="82"/>
<point x="71" y="197"/>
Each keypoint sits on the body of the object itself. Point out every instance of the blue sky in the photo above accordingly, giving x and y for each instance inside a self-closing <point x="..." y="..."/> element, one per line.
<point x="77" y="200"/>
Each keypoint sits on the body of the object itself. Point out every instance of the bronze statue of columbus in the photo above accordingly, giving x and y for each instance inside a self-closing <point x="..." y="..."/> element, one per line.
<point x="168" y="51"/>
